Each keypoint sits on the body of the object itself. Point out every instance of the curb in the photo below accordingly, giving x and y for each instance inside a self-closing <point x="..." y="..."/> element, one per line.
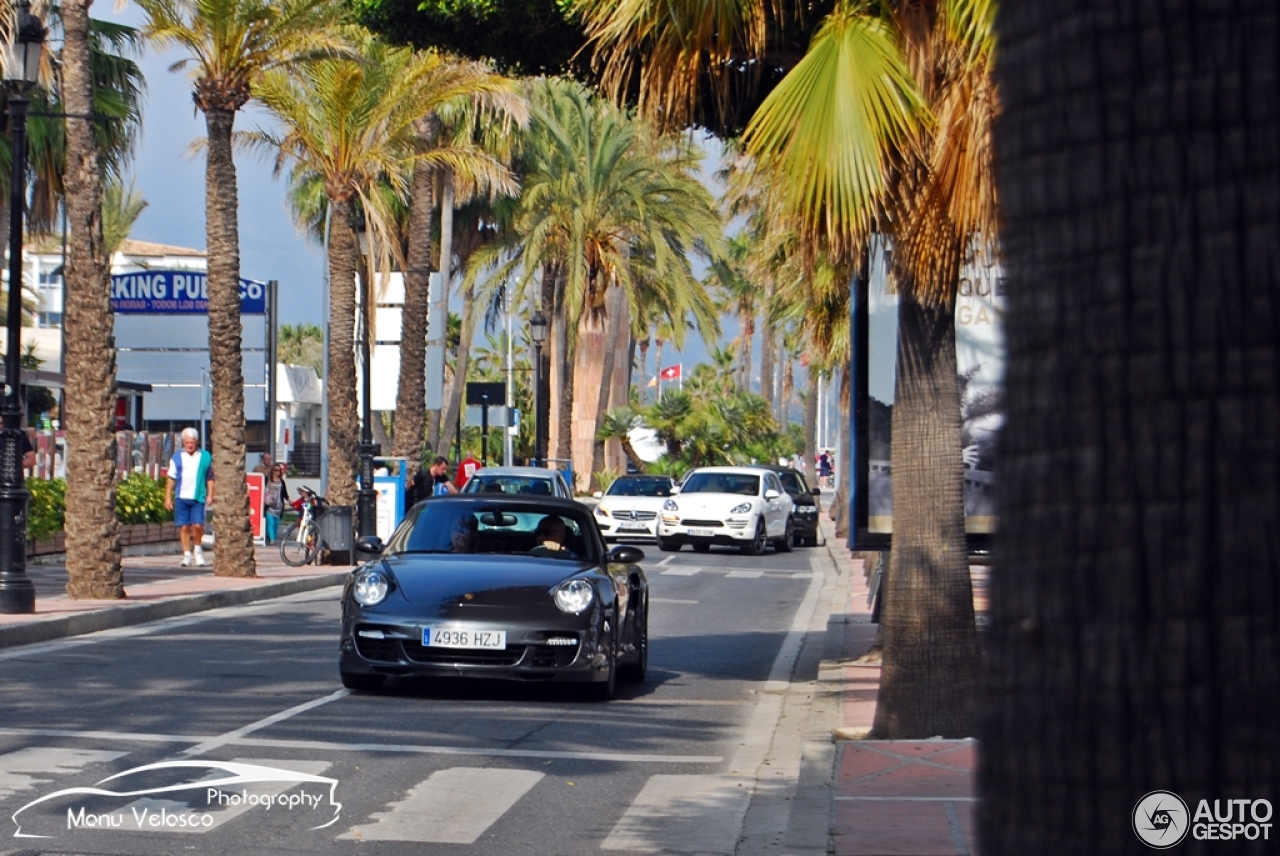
<point x="43" y="630"/>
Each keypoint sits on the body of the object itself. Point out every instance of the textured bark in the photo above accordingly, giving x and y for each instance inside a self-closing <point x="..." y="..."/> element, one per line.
<point x="230" y="498"/>
<point x="344" y="420"/>
<point x="435" y="427"/>
<point x="411" y="391"/>
<point x="768" y="346"/>
<point x="92" y="531"/>
<point x="810" y="452"/>
<point x="564" y="416"/>
<point x="462" y="363"/>
<point x="595" y="399"/>
<point x="747" y="326"/>
<point x="784" y="399"/>
<point x="928" y="683"/>
<point x="547" y="305"/>
<point x="1135" y="608"/>
<point x="840" y="502"/>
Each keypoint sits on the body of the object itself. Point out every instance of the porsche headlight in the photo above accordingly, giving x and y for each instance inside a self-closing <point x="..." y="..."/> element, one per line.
<point x="744" y="508"/>
<point x="370" y="587"/>
<point x="670" y="505"/>
<point x="574" y="596"/>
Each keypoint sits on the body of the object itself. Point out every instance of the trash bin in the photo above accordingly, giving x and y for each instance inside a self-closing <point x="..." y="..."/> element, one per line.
<point x="337" y="530"/>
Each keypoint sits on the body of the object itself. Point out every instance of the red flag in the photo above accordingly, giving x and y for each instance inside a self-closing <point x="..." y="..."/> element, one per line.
<point x="671" y="373"/>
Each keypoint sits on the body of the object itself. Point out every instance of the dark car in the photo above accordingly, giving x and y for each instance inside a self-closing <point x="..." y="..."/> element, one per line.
<point x="496" y="586"/>
<point x="805" y="516"/>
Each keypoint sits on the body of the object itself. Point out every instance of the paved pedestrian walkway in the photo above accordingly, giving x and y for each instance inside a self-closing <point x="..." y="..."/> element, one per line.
<point x="886" y="798"/>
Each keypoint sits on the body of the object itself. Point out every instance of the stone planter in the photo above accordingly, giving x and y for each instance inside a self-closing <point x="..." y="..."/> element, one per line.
<point x="131" y="535"/>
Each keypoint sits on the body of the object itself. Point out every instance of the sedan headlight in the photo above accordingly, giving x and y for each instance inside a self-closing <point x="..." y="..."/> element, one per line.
<point x="670" y="505"/>
<point x="574" y="596"/>
<point x="370" y="587"/>
<point x="744" y="508"/>
<point x="602" y="511"/>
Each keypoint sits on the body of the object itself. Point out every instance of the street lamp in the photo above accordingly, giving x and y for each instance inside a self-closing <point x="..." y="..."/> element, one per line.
<point x="22" y="68"/>
<point x="538" y="333"/>
<point x="366" y="496"/>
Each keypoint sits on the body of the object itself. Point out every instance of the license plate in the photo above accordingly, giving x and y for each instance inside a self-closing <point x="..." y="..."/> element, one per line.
<point x="444" y="637"/>
<point x="700" y="533"/>
<point x="633" y="527"/>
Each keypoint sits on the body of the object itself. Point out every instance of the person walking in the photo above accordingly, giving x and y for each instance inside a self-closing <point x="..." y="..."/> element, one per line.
<point x="186" y="491"/>
<point x="264" y="466"/>
<point x="440" y="476"/>
<point x="277" y="494"/>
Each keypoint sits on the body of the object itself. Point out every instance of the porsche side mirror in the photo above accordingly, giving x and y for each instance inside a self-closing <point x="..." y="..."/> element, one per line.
<point x="626" y="555"/>
<point x="369" y="544"/>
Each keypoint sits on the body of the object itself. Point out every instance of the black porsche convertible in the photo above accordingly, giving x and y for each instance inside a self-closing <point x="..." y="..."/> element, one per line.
<point x="496" y="586"/>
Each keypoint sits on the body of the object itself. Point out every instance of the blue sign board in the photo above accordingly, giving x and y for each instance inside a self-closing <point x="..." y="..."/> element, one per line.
<point x="176" y="292"/>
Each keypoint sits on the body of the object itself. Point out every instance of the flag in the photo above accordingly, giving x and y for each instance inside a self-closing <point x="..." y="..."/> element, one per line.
<point x="671" y="373"/>
<point x="653" y="381"/>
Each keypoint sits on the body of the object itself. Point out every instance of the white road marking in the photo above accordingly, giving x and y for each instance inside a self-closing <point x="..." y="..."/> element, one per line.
<point x="18" y="770"/>
<point x="235" y="735"/>
<point x="666" y="561"/>
<point x="682" y="571"/>
<point x="744" y="575"/>
<point x="453" y="806"/>
<point x="698" y="814"/>
<point x="406" y="748"/>
<point x="672" y="600"/>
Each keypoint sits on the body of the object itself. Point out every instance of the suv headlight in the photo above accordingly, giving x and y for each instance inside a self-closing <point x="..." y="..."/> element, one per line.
<point x="744" y="508"/>
<point x="574" y="596"/>
<point x="370" y="587"/>
<point x="670" y="505"/>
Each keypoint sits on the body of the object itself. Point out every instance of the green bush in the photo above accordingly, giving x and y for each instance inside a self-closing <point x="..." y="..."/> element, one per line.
<point x="47" y="511"/>
<point x="140" y="499"/>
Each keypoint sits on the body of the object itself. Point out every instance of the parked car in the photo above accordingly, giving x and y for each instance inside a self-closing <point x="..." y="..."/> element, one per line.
<point x="496" y="586"/>
<point x="805" y="516"/>
<point x="629" y="508"/>
<point x="533" y="481"/>
<point x="744" y="507"/>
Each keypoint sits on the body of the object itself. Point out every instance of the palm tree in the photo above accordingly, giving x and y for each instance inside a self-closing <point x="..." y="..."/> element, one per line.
<point x="617" y="425"/>
<point x="230" y="45"/>
<point x="122" y="205"/>
<point x="92" y="541"/>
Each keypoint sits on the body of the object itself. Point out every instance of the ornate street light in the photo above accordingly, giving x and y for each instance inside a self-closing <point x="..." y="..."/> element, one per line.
<point x="22" y="68"/>
<point x="538" y="333"/>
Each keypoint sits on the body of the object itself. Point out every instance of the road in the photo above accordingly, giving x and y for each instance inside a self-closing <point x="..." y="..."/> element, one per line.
<point x="703" y="757"/>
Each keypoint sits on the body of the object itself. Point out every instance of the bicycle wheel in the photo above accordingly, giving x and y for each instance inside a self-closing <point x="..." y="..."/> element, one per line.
<point x="298" y="548"/>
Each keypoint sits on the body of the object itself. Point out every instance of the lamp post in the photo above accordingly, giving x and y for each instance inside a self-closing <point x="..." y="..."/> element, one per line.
<point x="538" y="333"/>
<point x="366" y="496"/>
<point x="22" y="67"/>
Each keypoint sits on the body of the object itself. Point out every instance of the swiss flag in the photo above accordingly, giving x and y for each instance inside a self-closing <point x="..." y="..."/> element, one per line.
<point x="671" y="373"/>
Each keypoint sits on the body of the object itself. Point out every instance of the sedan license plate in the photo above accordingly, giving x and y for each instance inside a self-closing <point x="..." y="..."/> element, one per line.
<point x="633" y="527"/>
<point x="700" y="533"/>
<point x="444" y="637"/>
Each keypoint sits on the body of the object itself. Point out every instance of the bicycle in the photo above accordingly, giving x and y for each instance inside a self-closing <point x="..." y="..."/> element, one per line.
<point x="302" y="544"/>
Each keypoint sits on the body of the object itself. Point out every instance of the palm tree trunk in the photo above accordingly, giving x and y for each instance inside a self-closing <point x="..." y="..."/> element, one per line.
<point x="811" y="418"/>
<point x="747" y="328"/>
<point x="928" y="683"/>
<point x="1133" y="634"/>
<point x="564" y="415"/>
<point x="344" y="420"/>
<point x="839" y="507"/>
<point x="449" y="427"/>
<point x="434" y="420"/>
<point x="231" y="499"/>
<point x="410" y="403"/>
<point x="768" y="346"/>
<point x="788" y="387"/>
<point x="92" y="531"/>
<point x="614" y="303"/>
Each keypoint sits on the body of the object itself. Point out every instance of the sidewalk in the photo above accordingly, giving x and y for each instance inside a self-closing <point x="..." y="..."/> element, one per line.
<point x="890" y="797"/>
<point x="155" y="587"/>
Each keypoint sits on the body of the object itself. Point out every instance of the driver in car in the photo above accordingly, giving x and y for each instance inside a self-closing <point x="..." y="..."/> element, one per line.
<point x="549" y="539"/>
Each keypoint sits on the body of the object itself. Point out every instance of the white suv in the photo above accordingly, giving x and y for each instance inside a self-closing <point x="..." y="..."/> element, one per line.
<point x="734" y="506"/>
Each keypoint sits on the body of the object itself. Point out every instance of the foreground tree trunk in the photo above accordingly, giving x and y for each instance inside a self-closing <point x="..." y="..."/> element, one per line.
<point x="344" y="420"/>
<point x="1134" y="640"/>
<point x="928" y="684"/>
<point x="234" y="551"/>
<point x="92" y="531"/>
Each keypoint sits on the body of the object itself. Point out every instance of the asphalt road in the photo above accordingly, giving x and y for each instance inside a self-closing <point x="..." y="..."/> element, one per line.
<point x="673" y="765"/>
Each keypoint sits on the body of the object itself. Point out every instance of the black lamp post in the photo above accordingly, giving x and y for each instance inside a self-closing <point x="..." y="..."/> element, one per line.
<point x="538" y="333"/>
<point x="22" y="68"/>
<point x="366" y="496"/>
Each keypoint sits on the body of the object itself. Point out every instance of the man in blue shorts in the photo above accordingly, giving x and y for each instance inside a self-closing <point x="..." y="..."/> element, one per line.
<point x="191" y="470"/>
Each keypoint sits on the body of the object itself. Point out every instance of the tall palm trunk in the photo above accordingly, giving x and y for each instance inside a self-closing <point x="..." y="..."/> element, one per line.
<point x="928" y="682"/>
<point x="449" y="428"/>
<point x="811" y="418"/>
<point x="768" y="347"/>
<point x="1133" y="641"/>
<point x="788" y="387"/>
<point x="747" y="326"/>
<point x="839" y="507"/>
<point x="606" y="354"/>
<point x="344" y="421"/>
<point x="230" y="499"/>
<point x="410" y="394"/>
<point x="547" y="306"/>
<point x="434" y="426"/>
<point x="92" y="531"/>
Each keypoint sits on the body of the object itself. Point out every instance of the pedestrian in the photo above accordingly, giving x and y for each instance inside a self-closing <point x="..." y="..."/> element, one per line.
<point x="418" y="489"/>
<point x="277" y="494"/>
<point x="186" y="491"/>
<point x="264" y="465"/>
<point x="824" y="469"/>
<point x="440" y="477"/>
<point x="466" y="469"/>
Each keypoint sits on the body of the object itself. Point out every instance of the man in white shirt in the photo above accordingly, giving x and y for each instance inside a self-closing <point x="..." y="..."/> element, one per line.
<point x="191" y="472"/>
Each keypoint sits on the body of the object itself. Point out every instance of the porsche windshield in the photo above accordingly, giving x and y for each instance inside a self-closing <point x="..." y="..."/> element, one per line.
<point x="495" y="528"/>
